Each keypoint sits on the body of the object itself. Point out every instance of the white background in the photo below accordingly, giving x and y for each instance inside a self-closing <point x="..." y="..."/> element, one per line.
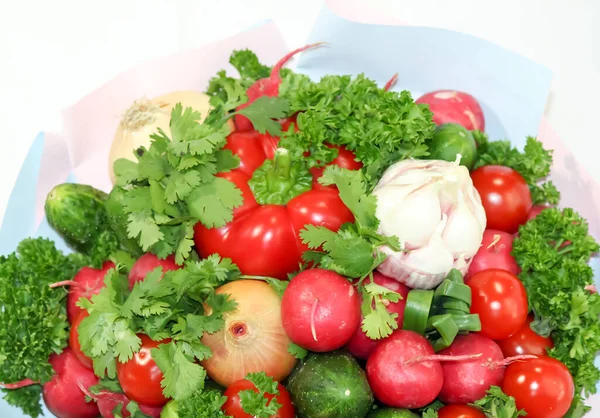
<point x="55" y="52"/>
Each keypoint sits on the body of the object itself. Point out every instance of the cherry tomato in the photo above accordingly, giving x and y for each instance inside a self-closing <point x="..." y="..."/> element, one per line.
<point x="499" y="298"/>
<point x="504" y="195"/>
<point x="525" y="341"/>
<point x="460" y="411"/>
<point x="543" y="387"/>
<point x="74" y="340"/>
<point x="140" y="377"/>
<point x="233" y="406"/>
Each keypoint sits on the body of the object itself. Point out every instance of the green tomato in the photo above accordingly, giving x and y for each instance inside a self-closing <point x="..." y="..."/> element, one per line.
<point x="450" y="139"/>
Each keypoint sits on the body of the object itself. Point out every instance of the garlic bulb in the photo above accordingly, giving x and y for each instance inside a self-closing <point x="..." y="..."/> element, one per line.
<point x="435" y="211"/>
<point x="145" y="116"/>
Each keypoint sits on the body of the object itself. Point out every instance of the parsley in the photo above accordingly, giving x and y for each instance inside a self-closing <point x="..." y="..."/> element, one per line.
<point x="32" y="316"/>
<point x="533" y="164"/>
<point x="171" y="307"/>
<point x="254" y="402"/>
<point x="553" y="250"/>
<point x="354" y="251"/>
<point x="202" y="404"/>
<point x="430" y="413"/>
<point x="499" y="405"/>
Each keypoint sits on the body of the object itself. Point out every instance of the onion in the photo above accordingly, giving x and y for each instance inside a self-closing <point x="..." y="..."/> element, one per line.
<point x="144" y="118"/>
<point x="253" y="339"/>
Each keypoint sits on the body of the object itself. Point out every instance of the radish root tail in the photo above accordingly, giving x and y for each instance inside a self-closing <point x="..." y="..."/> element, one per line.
<point x="437" y="357"/>
<point x="510" y="360"/>
<point x="312" y="319"/>
<point x="18" y="385"/>
<point x="391" y="83"/>
<point x="277" y="67"/>
<point x="63" y="283"/>
<point x="100" y="396"/>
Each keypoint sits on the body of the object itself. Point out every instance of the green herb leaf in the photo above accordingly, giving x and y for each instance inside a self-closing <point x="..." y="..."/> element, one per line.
<point x="498" y="404"/>
<point x="254" y="402"/>
<point x="263" y="111"/>
<point x="297" y="351"/>
<point x="202" y="404"/>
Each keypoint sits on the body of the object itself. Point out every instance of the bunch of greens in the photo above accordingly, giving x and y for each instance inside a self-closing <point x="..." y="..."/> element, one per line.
<point x="553" y="251"/>
<point x="32" y="316"/>
<point x="173" y="306"/>
<point x="533" y="163"/>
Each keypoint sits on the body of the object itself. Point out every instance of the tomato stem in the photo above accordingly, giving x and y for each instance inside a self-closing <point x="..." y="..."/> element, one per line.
<point x="18" y="385"/>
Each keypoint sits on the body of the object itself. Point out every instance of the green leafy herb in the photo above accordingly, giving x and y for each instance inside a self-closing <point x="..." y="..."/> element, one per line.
<point x="533" y="164"/>
<point x="255" y="403"/>
<point x="499" y="405"/>
<point x="167" y="307"/>
<point x="430" y="413"/>
<point x="297" y="351"/>
<point x="379" y="127"/>
<point x="202" y="404"/>
<point x="350" y="251"/>
<point x="553" y="250"/>
<point x="263" y="112"/>
<point x="33" y="320"/>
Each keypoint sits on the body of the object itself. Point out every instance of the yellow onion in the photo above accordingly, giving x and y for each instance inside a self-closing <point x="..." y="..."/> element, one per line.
<point x="253" y="339"/>
<point x="145" y="116"/>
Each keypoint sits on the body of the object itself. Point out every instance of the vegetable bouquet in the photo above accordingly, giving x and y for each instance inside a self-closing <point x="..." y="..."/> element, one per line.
<point x="279" y="245"/>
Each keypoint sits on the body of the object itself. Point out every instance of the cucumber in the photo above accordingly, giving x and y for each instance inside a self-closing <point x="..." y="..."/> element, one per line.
<point x="450" y="139"/>
<point x="392" y="413"/>
<point x="76" y="212"/>
<point x="328" y="385"/>
<point x="117" y="219"/>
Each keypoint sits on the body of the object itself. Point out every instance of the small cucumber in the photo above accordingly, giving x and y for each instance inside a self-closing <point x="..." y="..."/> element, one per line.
<point x="76" y="212"/>
<point x="117" y="219"/>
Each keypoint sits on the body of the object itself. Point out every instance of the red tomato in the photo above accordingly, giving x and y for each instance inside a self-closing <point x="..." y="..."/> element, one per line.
<point x="504" y="195"/>
<point x="148" y="262"/>
<point x="525" y="341"/>
<point x="500" y="299"/>
<point x="264" y="240"/>
<point x="74" y="340"/>
<point x="460" y="411"/>
<point x="233" y="406"/>
<point x="543" y="387"/>
<point x="140" y="377"/>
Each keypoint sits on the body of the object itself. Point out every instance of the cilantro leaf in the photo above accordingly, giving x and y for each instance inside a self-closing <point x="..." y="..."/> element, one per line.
<point x="263" y="111"/>
<point x="498" y="404"/>
<point x="33" y="320"/>
<point x="182" y="376"/>
<point x="534" y="164"/>
<point x="212" y="203"/>
<point x="297" y="351"/>
<point x="378" y="322"/>
<point x="430" y="413"/>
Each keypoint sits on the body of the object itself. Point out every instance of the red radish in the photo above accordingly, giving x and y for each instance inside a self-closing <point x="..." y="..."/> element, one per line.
<point x="74" y="341"/>
<point x="398" y="374"/>
<point x="495" y="252"/>
<point x="467" y="381"/>
<point x="109" y="401"/>
<point x="62" y="394"/>
<point x="535" y="211"/>
<point x="320" y="310"/>
<point x="148" y="262"/>
<point x="392" y="81"/>
<point x="454" y="106"/>
<point x="266" y="87"/>
<point x="361" y="346"/>
<point x="86" y="283"/>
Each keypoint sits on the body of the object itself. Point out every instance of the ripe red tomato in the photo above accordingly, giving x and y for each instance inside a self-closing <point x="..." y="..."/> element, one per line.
<point x="74" y="340"/>
<point x="233" y="406"/>
<point x="460" y="411"/>
<point x="504" y="195"/>
<point x="500" y="299"/>
<point x="543" y="387"/>
<point x="525" y="341"/>
<point x="140" y="377"/>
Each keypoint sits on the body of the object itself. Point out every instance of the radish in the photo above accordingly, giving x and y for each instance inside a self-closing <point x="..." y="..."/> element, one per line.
<point x="86" y="283"/>
<point x="62" y="394"/>
<point x="469" y="380"/>
<point x="320" y="310"/>
<point x="456" y="107"/>
<point x="109" y="401"/>
<point x="266" y="87"/>
<point x="74" y="340"/>
<point x="148" y="262"/>
<point x="361" y="346"/>
<point x="495" y="252"/>
<point x="404" y="371"/>
<point x="535" y="211"/>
